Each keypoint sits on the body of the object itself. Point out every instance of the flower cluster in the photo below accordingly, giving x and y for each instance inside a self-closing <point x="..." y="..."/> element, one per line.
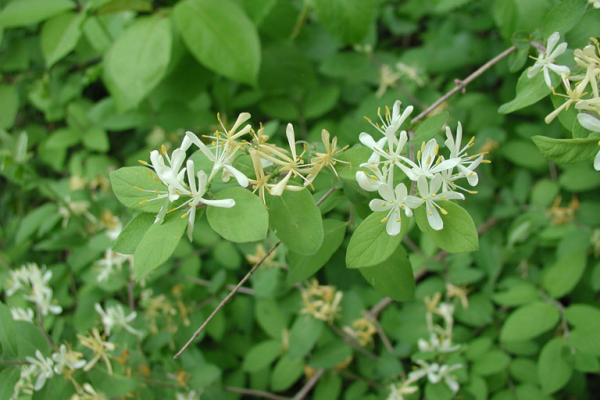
<point x="363" y="330"/>
<point x="580" y="87"/>
<point x="276" y="169"/>
<point x="435" y="177"/>
<point x="115" y="317"/>
<point x="438" y="346"/>
<point x="32" y="281"/>
<point x="320" y="301"/>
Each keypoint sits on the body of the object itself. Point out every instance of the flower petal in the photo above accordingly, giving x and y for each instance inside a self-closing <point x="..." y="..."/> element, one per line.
<point x="433" y="216"/>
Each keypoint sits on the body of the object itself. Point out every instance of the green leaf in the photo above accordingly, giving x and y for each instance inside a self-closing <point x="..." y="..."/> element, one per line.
<point x="221" y="37"/>
<point x="529" y="91"/>
<point x="132" y="234"/>
<point x="563" y="17"/>
<point x="529" y="322"/>
<point x="554" y="369"/>
<point x="9" y="104"/>
<point x="60" y="35"/>
<point x="158" y="244"/>
<point x="303" y="267"/>
<point x="350" y="20"/>
<point x="137" y="187"/>
<point x="261" y="355"/>
<point x="565" y="151"/>
<point x="370" y="244"/>
<point x="459" y="233"/>
<point x="523" y="154"/>
<point x="393" y="277"/>
<point x="561" y="277"/>
<point x="586" y="321"/>
<point x="492" y="362"/>
<point x="27" y="12"/>
<point x="286" y="372"/>
<point x="304" y="334"/>
<point x="270" y="318"/>
<point x="297" y="221"/>
<point x="247" y="221"/>
<point x="430" y="127"/>
<point x="8" y="335"/>
<point x="8" y="380"/>
<point x="138" y="60"/>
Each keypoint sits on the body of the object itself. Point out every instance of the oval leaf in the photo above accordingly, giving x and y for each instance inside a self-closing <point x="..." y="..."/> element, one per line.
<point x="60" y="35"/>
<point x="137" y="187"/>
<point x="529" y="91"/>
<point x="529" y="322"/>
<point x="393" y="277"/>
<point x="565" y="151"/>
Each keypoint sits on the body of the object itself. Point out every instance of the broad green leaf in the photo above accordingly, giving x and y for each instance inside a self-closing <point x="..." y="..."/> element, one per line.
<point x="586" y="322"/>
<point x="35" y="220"/>
<point x="554" y="368"/>
<point x="430" y="127"/>
<point x="261" y="355"/>
<point x="517" y="294"/>
<point x="523" y="153"/>
<point x="529" y="322"/>
<point x="304" y="333"/>
<point x="247" y="221"/>
<point x="132" y="234"/>
<point x="350" y="20"/>
<point x="137" y="187"/>
<point x="138" y="60"/>
<point x="28" y="12"/>
<point x="286" y="372"/>
<point x="297" y="221"/>
<point x="565" y="151"/>
<point x="329" y="387"/>
<point x="221" y="37"/>
<point x="303" y="267"/>
<point x="561" y="277"/>
<point x="393" y="277"/>
<point x="529" y="91"/>
<point x="9" y="104"/>
<point x="492" y="362"/>
<point x="115" y="6"/>
<point x="459" y="233"/>
<point x="563" y="17"/>
<point x="579" y="177"/>
<point x="370" y="244"/>
<point x="60" y="35"/>
<point x="8" y="336"/>
<point x="270" y="318"/>
<point x="8" y="379"/>
<point x="158" y="244"/>
<point x="334" y="353"/>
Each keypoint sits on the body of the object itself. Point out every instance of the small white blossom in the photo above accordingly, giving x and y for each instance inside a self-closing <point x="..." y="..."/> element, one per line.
<point x="42" y="368"/>
<point x="170" y="172"/>
<point x="428" y="163"/>
<point x="65" y="358"/>
<point x="466" y="164"/>
<point x="594" y="3"/>
<point x="34" y="282"/>
<point x="21" y="314"/>
<point x="545" y="61"/>
<point x="109" y="263"/>
<point x="398" y="391"/>
<point x="393" y="200"/>
<point x="430" y="192"/>
<point x="114" y="317"/>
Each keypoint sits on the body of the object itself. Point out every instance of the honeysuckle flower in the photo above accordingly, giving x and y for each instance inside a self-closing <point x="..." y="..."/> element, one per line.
<point x="21" y="314"/>
<point x="390" y="149"/>
<point x="114" y="317"/>
<point x="222" y="158"/>
<point x="545" y="61"/>
<point x="372" y="178"/>
<point x="320" y="301"/>
<point x="66" y="358"/>
<point x="390" y="122"/>
<point x="42" y="368"/>
<point x="445" y="373"/>
<point x="326" y="159"/>
<point x="438" y="344"/>
<point x="394" y="200"/>
<point x="594" y="3"/>
<point x="169" y="169"/>
<point x="261" y="183"/>
<point x="430" y="192"/>
<point x="291" y="166"/>
<point x="466" y="164"/>
<point x="588" y="121"/>
<point x="573" y="95"/>
<point x="197" y="191"/>
<point x="100" y="349"/>
<point x="232" y="134"/>
<point x="398" y="391"/>
<point x="109" y="263"/>
<point x="428" y="163"/>
<point x="87" y="392"/>
<point x="34" y="282"/>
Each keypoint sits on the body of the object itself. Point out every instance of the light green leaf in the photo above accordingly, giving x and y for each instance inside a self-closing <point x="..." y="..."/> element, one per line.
<point x="138" y="60"/>
<point x="459" y="233"/>
<point x="286" y="372"/>
<point x="586" y="321"/>
<point x="561" y="277"/>
<point x="492" y="362"/>
<point x="247" y="221"/>
<point x="9" y="104"/>
<point x="529" y="322"/>
<point x="430" y="127"/>
<point x="565" y="151"/>
<point x="297" y="221"/>
<point x="221" y="37"/>
<point x="523" y="154"/>
<point x="563" y="17"/>
<point x="261" y="355"/>
<point x="132" y="234"/>
<point x="137" y="187"/>
<point x="270" y="318"/>
<point x="304" y="334"/>
<point x="303" y="267"/>
<point x="370" y="244"/>
<point x="60" y="35"/>
<point x="393" y="277"/>
<point x="8" y="336"/>
<point x="554" y="369"/>
<point x="529" y="91"/>
<point x="8" y="380"/>
<point x="27" y="12"/>
<point x="158" y="244"/>
<point x="350" y="20"/>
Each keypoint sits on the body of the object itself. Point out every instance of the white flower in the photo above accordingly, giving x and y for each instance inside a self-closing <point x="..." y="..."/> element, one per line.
<point x="594" y="3"/>
<point x="370" y="182"/>
<point x="42" y="368"/>
<point x="445" y="373"/>
<point x="545" y="60"/>
<point x="393" y="201"/>
<point x="429" y="191"/>
<point x="170" y="172"/>
<point x="222" y="157"/>
<point x="436" y="373"/>
<point x="390" y="153"/>
<point x="438" y="344"/>
<point x="291" y="164"/>
<point x="114" y="316"/>
<point x="35" y="283"/>
<point x="66" y="358"/>
<point x="109" y="263"/>
<point x="191" y="395"/>
<point x="391" y="123"/>
<point x="87" y="392"/>
<point x="466" y="164"/>
<point x="398" y="391"/>
<point x="429" y="163"/>
<point x="197" y="191"/>
<point x="21" y="314"/>
<point x="588" y="121"/>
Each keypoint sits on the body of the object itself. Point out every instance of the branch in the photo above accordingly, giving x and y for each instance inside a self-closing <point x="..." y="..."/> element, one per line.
<point x="462" y="84"/>
<point x="237" y="287"/>
<point x="309" y="385"/>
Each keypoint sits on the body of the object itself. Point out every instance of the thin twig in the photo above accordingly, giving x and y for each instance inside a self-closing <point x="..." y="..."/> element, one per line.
<point x="462" y="84"/>
<point x="255" y="393"/>
<point x="309" y="385"/>
<point x="237" y="287"/>
<point x="350" y="340"/>
<point x="242" y="289"/>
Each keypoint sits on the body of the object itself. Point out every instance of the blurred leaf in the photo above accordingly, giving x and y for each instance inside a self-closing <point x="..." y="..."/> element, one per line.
<point x="28" y="12"/>
<point x="554" y="369"/>
<point x="60" y="35"/>
<point x="567" y="150"/>
<point x="529" y="91"/>
<point x="393" y="277"/>
<point x="286" y="372"/>
<point x="261" y="355"/>
<point x="350" y="20"/>
<point x="132" y="234"/>
<point x="529" y="322"/>
<point x="563" y="17"/>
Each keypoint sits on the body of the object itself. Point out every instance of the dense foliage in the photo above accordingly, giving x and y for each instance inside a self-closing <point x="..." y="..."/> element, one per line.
<point x="275" y="198"/>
